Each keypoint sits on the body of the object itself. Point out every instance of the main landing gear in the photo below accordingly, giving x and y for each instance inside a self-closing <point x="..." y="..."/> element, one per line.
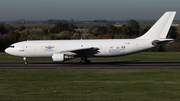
<point x="25" y="59"/>
<point x="84" y="60"/>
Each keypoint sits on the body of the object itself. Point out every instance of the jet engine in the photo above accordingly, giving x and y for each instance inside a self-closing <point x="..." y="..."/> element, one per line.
<point x="59" y="57"/>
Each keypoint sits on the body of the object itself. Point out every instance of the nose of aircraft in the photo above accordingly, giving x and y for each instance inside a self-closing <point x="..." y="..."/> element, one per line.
<point x="7" y="50"/>
<point x="12" y="51"/>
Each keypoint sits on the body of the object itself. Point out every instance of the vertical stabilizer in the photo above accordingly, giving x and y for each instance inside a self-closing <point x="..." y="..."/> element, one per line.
<point x="160" y="29"/>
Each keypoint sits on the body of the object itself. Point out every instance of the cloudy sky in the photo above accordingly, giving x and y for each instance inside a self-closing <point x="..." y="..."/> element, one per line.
<point x="86" y="9"/>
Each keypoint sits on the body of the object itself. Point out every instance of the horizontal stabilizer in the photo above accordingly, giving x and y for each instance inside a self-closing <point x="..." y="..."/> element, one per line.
<point x="162" y="42"/>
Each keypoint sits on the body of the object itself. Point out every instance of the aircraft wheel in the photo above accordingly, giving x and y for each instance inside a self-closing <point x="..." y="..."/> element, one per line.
<point x="85" y="62"/>
<point x="26" y="63"/>
<point x="88" y="61"/>
<point x="82" y="62"/>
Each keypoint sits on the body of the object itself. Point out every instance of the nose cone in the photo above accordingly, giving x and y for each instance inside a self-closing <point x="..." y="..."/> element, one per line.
<point x="10" y="51"/>
<point x="7" y="50"/>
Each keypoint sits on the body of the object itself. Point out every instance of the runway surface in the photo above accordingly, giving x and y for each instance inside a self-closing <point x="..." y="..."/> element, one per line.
<point x="94" y="65"/>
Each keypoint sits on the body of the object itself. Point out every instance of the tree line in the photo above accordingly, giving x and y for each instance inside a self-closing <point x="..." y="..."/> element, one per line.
<point x="14" y="33"/>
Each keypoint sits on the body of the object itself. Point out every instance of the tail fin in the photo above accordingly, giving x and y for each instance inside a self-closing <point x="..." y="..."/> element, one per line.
<point x="160" y="29"/>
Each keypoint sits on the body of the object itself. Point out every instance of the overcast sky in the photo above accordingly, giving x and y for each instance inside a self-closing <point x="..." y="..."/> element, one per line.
<point x="86" y="9"/>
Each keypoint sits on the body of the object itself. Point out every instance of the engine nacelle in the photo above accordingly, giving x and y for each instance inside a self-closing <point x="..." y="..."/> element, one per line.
<point x="58" y="57"/>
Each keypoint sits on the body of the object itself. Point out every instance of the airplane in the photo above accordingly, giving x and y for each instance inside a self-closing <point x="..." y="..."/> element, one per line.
<point x="61" y="50"/>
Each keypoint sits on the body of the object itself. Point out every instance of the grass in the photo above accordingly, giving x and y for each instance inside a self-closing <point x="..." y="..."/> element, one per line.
<point x="143" y="56"/>
<point x="89" y="84"/>
<point x="93" y="84"/>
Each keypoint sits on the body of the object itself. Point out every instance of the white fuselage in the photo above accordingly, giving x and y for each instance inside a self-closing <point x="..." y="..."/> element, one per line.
<point x="107" y="47"/>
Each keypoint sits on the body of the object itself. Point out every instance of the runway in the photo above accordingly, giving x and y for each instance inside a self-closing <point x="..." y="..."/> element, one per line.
<point x="93" y="65"/>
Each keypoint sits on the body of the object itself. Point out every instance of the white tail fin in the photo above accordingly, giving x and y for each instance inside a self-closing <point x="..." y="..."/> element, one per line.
<point x="160" y="29"/>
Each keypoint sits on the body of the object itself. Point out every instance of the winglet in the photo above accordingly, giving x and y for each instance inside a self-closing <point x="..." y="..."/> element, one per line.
<point x="160" y="29"/>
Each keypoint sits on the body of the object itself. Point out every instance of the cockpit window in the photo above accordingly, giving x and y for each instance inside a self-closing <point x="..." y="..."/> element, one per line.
<point x="12" y="46"/>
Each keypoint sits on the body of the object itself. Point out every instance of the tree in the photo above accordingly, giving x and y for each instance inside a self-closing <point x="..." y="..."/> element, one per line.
<point x="2" y="44"/>
<point x="134" y="26"/>
<point x="107" y="36"/>
<point x="112" y="29"/>
<point x="85" y="35"/>
<point x="24" y="35"/>
<point x="125" y="29"/>
<point x="97" y="30"/>
<point x="59" y="27"/>
<point x="76" y="36"/>
<point x="173" y="32"/>
<point x="21" y="28"/>
<point x="3" y="30"/>
<point x="14" y="34"/>
<point x="119" y="36"/>
<point x="179" y="29"/>
<point x="93" y="29"/>
<point x="102" y="30"/>
<point x="9" y="39"/>
<point x="144" y="30"/>
<point x="65" y="35"/>
<point x="92" y="36"/>
<point x="158" y="49"/>
<point x="36" y="34"/>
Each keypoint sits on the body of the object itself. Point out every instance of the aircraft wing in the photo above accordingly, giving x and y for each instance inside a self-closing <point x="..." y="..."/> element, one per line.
<point x="85" y="52"/>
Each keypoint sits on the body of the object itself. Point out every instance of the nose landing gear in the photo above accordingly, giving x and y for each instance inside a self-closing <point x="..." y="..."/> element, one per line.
<point x="25" y="59"/>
